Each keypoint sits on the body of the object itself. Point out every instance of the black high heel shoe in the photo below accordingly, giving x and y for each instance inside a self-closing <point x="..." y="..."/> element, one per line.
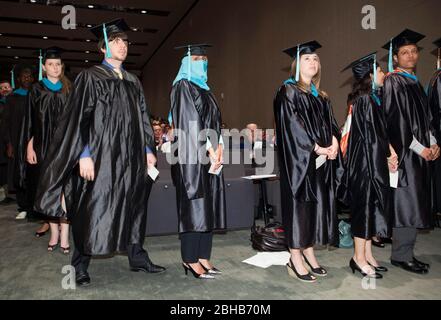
<point x="321" y="272"/>
<point x="379" y="268"/>
<point x="195" y="274"/>
<point x="52" y="247"/>
<point x="65" y="250"/>
<point x="354" y="266"/>
<point x="212" y="270"/>
<point x="293" y="273"/>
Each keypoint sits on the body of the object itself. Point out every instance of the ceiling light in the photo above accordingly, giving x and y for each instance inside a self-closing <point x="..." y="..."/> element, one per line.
<point x="39" y="21"/>
<point x="9" y="47"/>
<point x="87" y="40"/>
<point x="87" y="51"/>
<point x="90" y="6"/>
<point x="33" y="1"/>
<point x="45" y="38"/>
<point x="144" y="11"/>
<point x="89" y="26"/>
<point x="86" y="61"/>
<point x="16" y="57"/>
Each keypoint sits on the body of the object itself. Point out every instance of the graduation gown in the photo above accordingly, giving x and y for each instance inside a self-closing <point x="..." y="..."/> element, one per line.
<point x="366" y="177"/>
<point x="43" y="109"/>
<point x="307" y="195"/>
<point x="13" y="118"/>
<point x="435" y="107"/>
<point x="407" y="116"/>
<point x="200" y="195"/>
<point x="109" y="115"/>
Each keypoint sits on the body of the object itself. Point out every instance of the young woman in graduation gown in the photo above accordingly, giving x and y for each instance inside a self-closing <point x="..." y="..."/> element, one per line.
<point x="200" y="195"/>
<point x="368" y="160"/>
<point x="309" y="157"/>
<point x="45" y="103"/>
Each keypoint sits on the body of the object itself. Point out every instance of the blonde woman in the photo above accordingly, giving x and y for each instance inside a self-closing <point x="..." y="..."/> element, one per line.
<point x="308" y="147"/>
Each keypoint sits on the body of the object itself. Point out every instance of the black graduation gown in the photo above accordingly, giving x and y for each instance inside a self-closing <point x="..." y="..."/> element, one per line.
<point x="408" y="115"/>
<point x="435" y="107"/>
<point x="13" y="118"/>
<point x="200" y="195"/>
<point x="308" y="200"/>
<point x="366" y="177"/>
<point x="109" y="115"/>
<point x="41" y="118"/>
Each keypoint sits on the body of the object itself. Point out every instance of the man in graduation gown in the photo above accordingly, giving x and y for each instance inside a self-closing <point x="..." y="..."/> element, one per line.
<point x="409" y="130"/>
<point x="200" y="195"/>
<point x="106" y="123"/>
<point x="13" y="118"/>
<point x="434" y="94"/>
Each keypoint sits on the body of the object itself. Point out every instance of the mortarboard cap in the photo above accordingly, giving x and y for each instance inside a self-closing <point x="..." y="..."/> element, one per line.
<point x="305" y="48"/>
<point x="195" y="49"/>
<point x="363" y="66"/>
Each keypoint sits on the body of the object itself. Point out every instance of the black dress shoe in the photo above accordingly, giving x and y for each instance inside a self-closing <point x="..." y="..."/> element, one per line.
<point x="378" y="243"/>
<point x="148" y="268"/>
<point x="386" y="240"/>
<point x="421" y="264"/>
<point x="82" y="278"/>
<point x="409" y="266"/>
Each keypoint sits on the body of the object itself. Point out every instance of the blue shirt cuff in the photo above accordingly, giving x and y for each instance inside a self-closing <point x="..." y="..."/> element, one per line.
<point x="85" y="153"/>
<point x="148" y="150"/>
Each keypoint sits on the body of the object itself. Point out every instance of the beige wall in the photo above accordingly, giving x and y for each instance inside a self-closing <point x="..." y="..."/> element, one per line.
<point x="246" y="64"/>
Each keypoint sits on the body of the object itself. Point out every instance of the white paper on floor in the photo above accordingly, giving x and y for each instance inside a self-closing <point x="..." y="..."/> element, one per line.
<point x="267" y="259"/>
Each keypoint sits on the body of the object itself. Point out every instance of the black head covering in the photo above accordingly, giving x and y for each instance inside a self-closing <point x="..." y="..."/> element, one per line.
<point x="363" y="66"/>
<point x="195" y="49"/>
<point x="112" y="27"/>
<point x="405" y="38"/>
<point x="305" y="48"/>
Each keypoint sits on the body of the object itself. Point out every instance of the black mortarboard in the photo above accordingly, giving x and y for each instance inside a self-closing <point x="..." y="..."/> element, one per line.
<point x="363" y="66"/>
<point x="305" y="48"/>
<point x="112" y="27"/>
<point x="195" y="49"/>
<point x="406" y="37"/>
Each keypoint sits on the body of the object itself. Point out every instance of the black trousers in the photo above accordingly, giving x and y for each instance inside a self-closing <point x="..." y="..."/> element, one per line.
<point x="403" y="244"/>
<point x="195" y="246"/>
<point x="138" y="257"/>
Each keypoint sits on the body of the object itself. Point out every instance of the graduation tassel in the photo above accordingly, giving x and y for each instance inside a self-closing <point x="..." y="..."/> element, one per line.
<point x="374" y="82"/>
<point x="40" y="69"/>
<point x="189" y="64"/>
<point x="298" y="64"/>
<point x="391" y="64"/>
<point x="12" y="79"/>
<point x="106" y="40"/>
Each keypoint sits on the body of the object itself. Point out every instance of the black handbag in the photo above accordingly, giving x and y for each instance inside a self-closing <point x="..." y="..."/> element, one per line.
<point x="268" y="238"/>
